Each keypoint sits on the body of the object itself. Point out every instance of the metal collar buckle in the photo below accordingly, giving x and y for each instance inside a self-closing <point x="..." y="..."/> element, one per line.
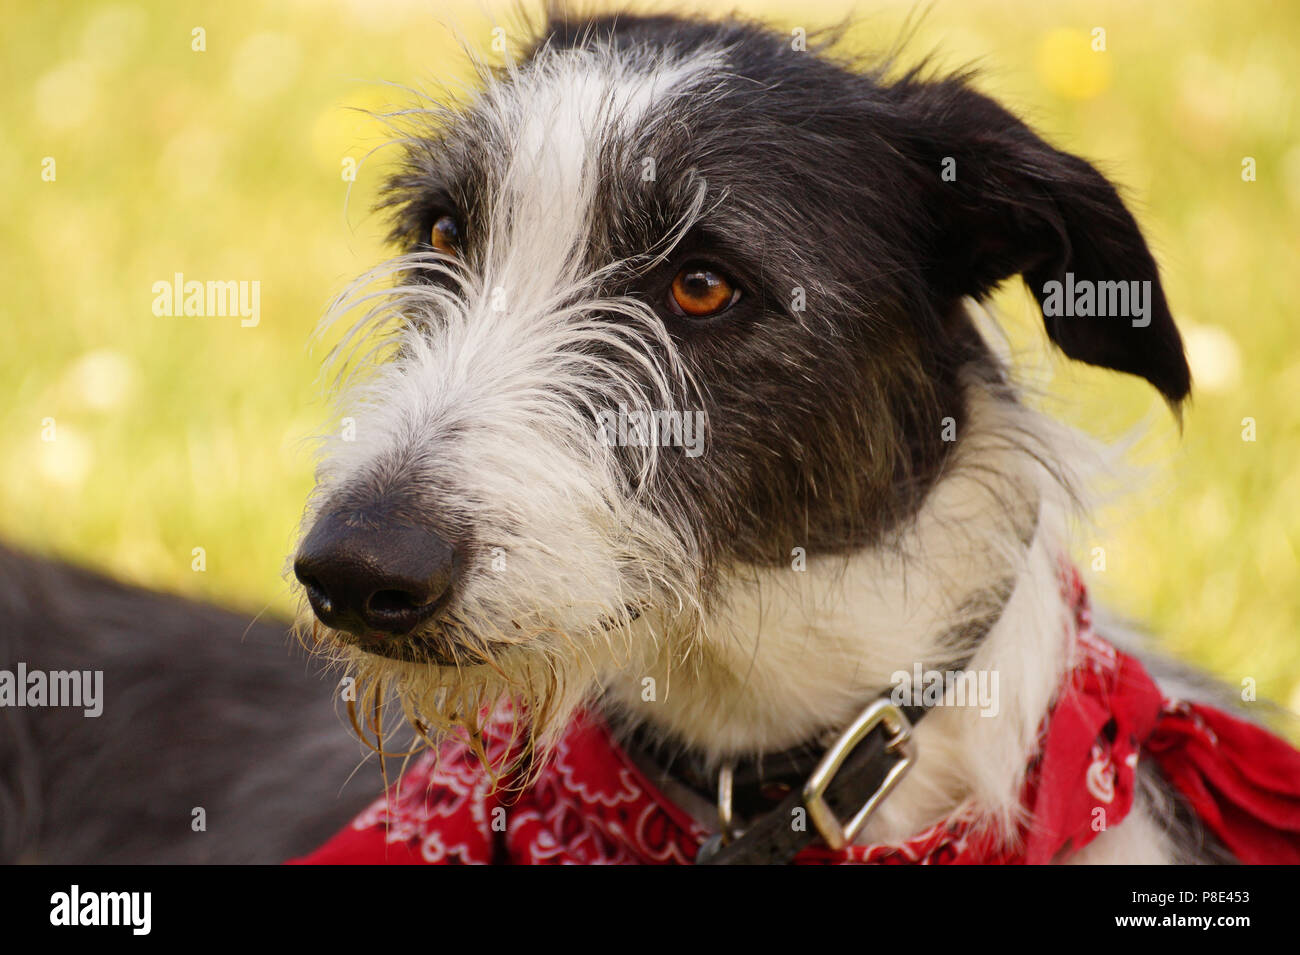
<point x="895" y="721"/>
<point x="727" y="831"/>
<point x="726" y="820"/>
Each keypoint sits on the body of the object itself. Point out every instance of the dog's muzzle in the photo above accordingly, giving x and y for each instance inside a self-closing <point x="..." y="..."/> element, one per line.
<point x="374" y="577"/>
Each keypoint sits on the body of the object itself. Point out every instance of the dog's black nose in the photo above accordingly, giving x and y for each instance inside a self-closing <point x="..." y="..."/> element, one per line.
<point x="374" y="576"/>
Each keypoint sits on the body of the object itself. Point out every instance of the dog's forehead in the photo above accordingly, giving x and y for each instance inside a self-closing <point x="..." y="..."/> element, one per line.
<point x="602" y="147"/>
<point x="598" y="146"/>
<point x="564" y="105"/>
<point x="545" y="133"/>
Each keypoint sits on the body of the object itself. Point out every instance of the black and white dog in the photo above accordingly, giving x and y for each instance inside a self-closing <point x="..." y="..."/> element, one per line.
<point x="652" y="223"/>
<point x="680" y="382"/>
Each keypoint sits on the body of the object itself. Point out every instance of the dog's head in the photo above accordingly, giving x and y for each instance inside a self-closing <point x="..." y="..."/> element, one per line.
<point x="673" y="298"/>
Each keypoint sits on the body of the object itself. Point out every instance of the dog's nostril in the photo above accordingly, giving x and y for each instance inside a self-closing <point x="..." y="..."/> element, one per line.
<point x="311" y="583"/>
<point x="315" y="592"/>
<point x="392" y="601"/>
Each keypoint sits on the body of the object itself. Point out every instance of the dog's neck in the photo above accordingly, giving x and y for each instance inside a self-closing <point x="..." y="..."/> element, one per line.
<point x="973" y="581"/>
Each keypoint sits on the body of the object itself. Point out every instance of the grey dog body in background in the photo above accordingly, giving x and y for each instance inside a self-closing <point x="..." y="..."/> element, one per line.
<point x="206" y="710"/>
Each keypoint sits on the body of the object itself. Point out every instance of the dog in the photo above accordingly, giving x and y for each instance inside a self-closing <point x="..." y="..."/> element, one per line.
<point x="206" y="742"/>
<point x="680" y="484"/>
<point x="653" y="222"/>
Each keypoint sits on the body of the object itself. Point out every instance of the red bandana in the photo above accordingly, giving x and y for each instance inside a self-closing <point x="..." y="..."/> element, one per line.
<point x="591" y="804"/>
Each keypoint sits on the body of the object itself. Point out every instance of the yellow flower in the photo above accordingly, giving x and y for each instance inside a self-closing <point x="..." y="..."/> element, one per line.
<point x="1069" y="65"/>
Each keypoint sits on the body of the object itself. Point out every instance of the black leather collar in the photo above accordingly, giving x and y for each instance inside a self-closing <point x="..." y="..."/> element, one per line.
<point x="767" y="791"/>
<point x="761" y="781"/>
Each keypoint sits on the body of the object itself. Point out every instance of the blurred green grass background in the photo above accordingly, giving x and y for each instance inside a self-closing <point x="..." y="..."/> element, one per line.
<point x="177" y="433"/>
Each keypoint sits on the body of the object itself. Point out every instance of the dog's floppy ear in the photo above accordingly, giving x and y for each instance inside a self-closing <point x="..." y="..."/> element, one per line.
<point x="1003" y="202"/>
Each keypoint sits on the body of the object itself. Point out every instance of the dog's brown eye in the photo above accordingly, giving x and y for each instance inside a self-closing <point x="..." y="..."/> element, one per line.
<point x="445" y="236"/>
<point x="699" y="291"/>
